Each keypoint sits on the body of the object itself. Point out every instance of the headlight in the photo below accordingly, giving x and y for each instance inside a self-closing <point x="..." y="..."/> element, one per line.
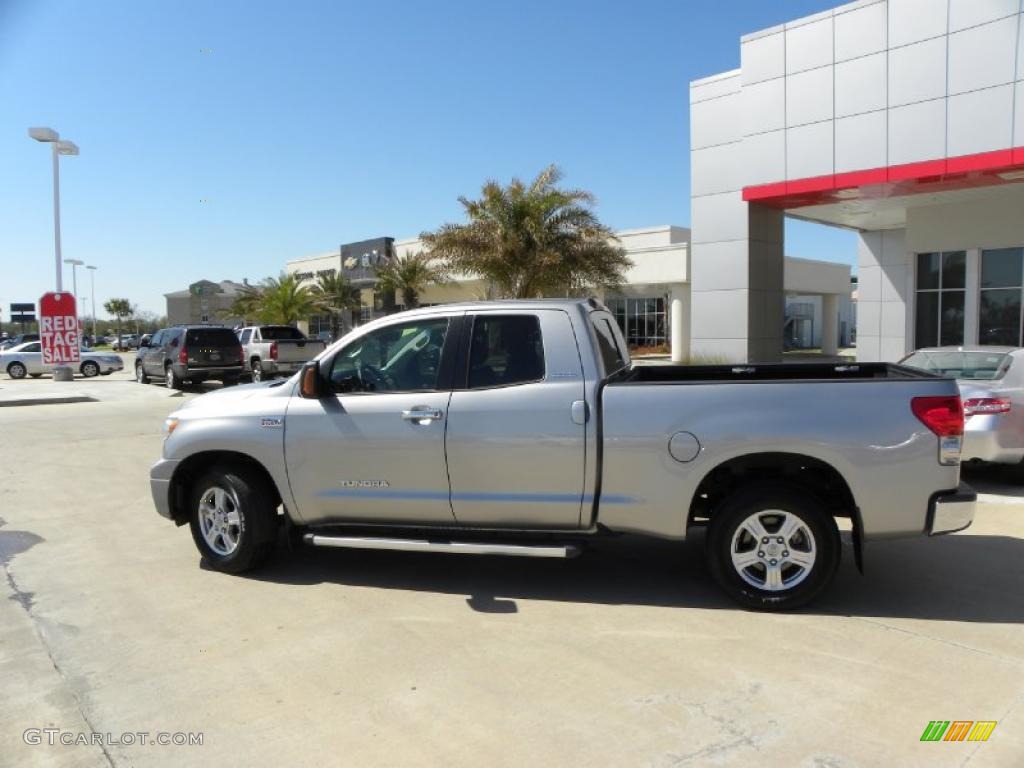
<point x="170" y="424"/>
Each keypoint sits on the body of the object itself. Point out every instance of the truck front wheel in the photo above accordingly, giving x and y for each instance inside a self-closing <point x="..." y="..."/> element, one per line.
<point x="771" y="547"/>
<point x="233" y="519"/>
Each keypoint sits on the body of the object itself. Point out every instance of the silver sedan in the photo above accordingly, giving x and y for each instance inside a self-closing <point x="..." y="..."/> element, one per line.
<point x="27" y="360"/>
<point x="991" y="383"/>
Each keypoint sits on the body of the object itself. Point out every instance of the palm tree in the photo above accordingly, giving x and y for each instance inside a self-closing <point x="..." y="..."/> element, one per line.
<point x="335" y="294"/>
<point x="119" y="308"/>
<point x="411" y="276"/>
<point x="532" y="240"/>
<point x="281" y="300"/>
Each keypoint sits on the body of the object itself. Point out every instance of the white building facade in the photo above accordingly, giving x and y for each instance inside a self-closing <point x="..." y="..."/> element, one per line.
<point x="900" y="119"/>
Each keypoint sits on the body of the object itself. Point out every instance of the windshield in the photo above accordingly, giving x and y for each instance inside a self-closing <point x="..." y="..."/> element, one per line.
<point x="960" y="364"/>
<point x="281" y="333"/>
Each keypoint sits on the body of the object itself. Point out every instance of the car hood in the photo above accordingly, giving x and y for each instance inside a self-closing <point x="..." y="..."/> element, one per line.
<point x="223" y="398"/>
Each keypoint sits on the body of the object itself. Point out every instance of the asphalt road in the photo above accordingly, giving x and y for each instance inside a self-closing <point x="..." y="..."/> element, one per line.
<point x="627" y="656"/>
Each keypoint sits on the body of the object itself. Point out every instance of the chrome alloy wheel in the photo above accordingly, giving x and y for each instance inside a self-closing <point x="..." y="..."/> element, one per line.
<point x="219" y="520"/>
<point x="773" y="550"/>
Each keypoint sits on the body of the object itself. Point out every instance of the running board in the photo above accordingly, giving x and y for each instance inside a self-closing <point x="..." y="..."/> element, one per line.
<point x="455" y="547"/>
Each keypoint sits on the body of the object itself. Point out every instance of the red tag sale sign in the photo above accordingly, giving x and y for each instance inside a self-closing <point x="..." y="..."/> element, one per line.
<point x="58" y="329"/>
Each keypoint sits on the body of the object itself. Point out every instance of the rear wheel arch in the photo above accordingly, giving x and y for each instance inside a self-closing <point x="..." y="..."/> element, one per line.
<point x="195" y="466"/>
<point x="804" y="473"/>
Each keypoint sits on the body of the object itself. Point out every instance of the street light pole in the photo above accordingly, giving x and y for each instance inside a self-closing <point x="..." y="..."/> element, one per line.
<point x="56" y="215"/>
<point x="92" y="287"/>
<point x="50" y="136"/>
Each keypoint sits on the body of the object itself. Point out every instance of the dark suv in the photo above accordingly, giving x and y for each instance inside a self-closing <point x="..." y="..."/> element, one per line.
<point x="190" y="353"/>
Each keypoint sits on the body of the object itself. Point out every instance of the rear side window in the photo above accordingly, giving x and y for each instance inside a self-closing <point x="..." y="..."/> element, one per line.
<point x="158" y="339"/>
<point x="211" y="337"/>
<point x="607" y="345"/>
<point x="505" y="349"/>
<point x="31" y="347"/>
<point x="280" y="333"/>
<point x="246" y="334"/>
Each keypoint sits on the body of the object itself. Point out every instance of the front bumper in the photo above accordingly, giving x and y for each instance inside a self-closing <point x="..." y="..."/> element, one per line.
<point x="160" y="486"/>
<point x="951" y="511"/>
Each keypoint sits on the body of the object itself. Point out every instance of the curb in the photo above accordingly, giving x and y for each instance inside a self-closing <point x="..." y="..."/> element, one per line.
<point x="49" y="400"/>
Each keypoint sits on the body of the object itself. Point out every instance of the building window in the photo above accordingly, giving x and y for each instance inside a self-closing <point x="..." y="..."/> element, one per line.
<point x="940" y="299"/>
<point x="642" y="321"/>
<point x="999" y="315"/>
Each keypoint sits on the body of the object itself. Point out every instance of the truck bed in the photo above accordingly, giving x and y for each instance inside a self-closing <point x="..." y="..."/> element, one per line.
<point x="695" y="374"/>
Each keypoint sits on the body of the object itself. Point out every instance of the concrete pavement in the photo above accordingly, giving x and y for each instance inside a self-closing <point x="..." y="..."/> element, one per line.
<point x="627" y="656"/>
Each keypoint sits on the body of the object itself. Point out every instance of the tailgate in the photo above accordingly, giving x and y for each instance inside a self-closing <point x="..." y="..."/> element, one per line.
<point x="298" y="351"/>
<point x="212" y="348"/>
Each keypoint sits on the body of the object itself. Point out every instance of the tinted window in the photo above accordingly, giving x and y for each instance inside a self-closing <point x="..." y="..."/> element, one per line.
<point x="31" y="347"/>
<point x="607" y="345"/>
<point x="246" y="334"/>
<point x="398" y="358"/>
<point x="505" y="349"/>
<point x="211" y="337"/>
<point x="280" y="333"/>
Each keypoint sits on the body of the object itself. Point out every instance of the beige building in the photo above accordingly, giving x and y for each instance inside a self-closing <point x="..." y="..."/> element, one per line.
<point x="652" y="307"/>
<point x="204" y="302"/>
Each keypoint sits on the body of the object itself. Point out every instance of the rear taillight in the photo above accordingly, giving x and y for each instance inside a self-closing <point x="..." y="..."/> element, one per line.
<point x="944" y="416"/>
<point x="241" y="356"/>
<point x="273" y="350"/>
<point x="183" y="356"/>
<point x="979" y="405"/>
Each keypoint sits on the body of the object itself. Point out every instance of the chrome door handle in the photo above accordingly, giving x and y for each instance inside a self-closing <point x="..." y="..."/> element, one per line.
<point x="422" y="415"/>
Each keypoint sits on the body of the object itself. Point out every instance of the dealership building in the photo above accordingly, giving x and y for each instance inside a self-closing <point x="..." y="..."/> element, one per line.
<point x="902" y="120"/>
<point x="652" y="306"/>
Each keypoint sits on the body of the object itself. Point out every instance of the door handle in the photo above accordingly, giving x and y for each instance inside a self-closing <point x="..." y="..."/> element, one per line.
<point x="422" y="415"/>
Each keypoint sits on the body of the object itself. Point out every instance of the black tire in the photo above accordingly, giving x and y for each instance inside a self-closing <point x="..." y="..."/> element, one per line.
<point x="230" y="381"/>
<point x="257" y="370"/>
<point x="171" y="378"/>
<point x="140" y="374"/>
<point x="35" y="375"/>
<point x="89" y="369"/>
<point x="724" y="533"/>
<point x="247" y="494"/>
<point x="16" y="370"/>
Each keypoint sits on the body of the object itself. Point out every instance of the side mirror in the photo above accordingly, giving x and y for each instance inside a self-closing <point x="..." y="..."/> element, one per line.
<point x="143" y="343"/>
<point x="311" y="386"/>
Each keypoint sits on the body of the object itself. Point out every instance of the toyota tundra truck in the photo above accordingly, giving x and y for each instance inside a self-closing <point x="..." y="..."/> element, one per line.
<point x="522" y="428"/>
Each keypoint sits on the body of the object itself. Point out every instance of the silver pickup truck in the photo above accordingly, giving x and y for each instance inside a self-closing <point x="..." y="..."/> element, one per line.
<point x="272" y="350"/>
<point x="522" y="428"/>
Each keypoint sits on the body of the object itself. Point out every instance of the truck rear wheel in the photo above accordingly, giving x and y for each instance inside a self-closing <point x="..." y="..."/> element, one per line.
<point x="233" y="519"/>
<point x="772" y="547"/>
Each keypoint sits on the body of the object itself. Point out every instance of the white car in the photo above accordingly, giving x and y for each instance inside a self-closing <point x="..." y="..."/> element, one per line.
<point x="27" y="360"/>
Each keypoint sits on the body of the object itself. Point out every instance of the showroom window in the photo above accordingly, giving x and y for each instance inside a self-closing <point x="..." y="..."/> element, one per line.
<point x="940" y="299"/>
<point x="642" y="321"/>
<point x="999" y="313"/>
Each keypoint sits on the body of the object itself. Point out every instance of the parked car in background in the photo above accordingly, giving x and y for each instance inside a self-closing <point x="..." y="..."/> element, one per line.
<point x="522" y="428"/>
<point x="191" y="353"/>
<point x="126" y="342"/>
<point x="27" y="360"/>
<point x="991" y="381"/>
<point x="272" y="350"/>
<point x="21" y="338"/>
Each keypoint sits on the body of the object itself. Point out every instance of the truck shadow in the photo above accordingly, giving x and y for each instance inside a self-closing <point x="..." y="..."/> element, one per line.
<point x="951" y="578"/>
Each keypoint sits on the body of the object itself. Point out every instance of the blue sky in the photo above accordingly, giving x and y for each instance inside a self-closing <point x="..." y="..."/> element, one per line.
<point x="309" y="124"/>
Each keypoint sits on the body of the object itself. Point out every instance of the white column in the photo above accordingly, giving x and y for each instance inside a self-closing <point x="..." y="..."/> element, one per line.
<point x="829" y="324"/>
<point x="679" y="317"/>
